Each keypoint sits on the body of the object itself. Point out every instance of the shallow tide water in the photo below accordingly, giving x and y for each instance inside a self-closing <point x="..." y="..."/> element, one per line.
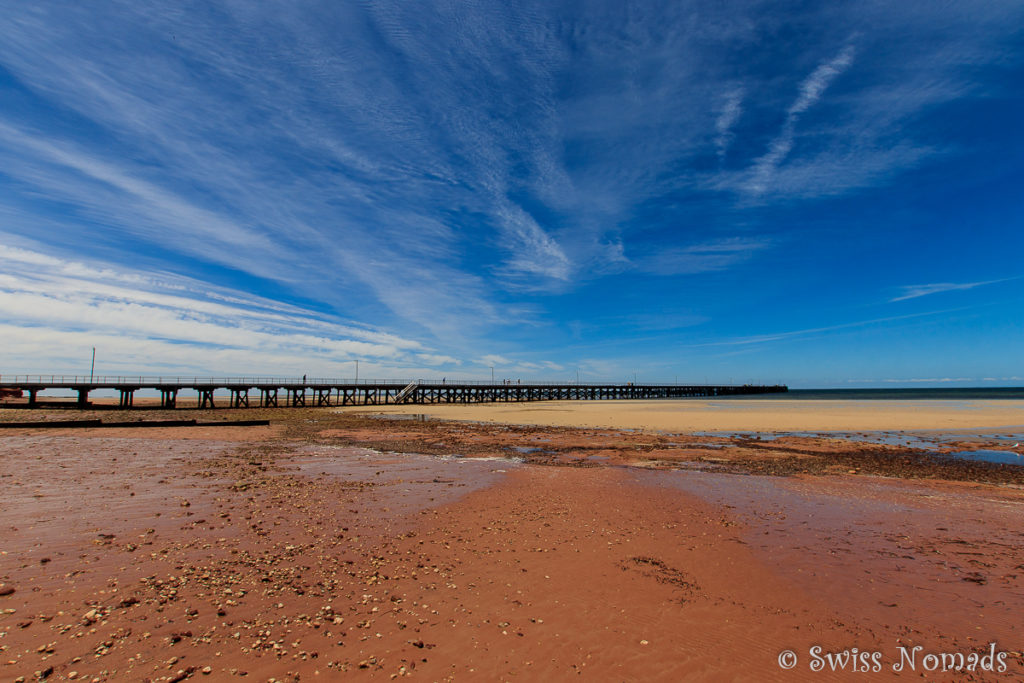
<point x="936" y="443"/>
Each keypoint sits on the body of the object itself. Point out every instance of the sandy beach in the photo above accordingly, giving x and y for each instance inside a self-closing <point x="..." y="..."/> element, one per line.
<point x="331" y="545"/>
<point x="746" y="414"/>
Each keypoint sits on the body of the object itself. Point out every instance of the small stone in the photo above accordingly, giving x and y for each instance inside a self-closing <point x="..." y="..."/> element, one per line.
<point x="6" y="589"/>
<point x="72" y="675"/>
<point x="207" y="670"/>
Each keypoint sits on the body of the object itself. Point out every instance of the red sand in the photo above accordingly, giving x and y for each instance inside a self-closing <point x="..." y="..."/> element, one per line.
<point x="285" y="554"/>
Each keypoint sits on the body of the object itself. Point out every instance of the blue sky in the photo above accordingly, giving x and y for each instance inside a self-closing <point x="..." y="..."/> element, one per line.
<point x="822" y="194"/>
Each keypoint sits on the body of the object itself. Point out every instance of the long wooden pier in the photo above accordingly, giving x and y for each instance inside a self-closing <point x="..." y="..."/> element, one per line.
<point x="244" y="392"/>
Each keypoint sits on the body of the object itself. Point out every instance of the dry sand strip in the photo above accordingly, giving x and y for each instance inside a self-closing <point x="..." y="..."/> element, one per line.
<point x="733" y="415"/>
<point x="297" y="557"/>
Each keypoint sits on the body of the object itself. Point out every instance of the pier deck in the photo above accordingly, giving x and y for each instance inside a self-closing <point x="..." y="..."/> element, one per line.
<point x="243" y="392"/>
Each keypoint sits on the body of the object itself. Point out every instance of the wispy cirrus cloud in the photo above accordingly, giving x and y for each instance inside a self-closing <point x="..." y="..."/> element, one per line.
<point x="495" y="359"/>
<point x="93" y="183"/>
<point x="173" y="134"/>
<point x="459" y="175"/>
<point x="60" y="308"/>
<point x="701" y="258"/>
<point x="856" y="119"/>
<point x="727" y="118"/>
<point x="811" y="90"/>
<point x="530" y="368"/>
<point x="916" y="291"/>
<point x="932" y="380"/>
<point x="535" y="253"/>
<point x="811" y="331"/>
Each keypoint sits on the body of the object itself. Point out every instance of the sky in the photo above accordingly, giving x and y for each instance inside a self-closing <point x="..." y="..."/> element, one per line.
<point x="815" y="194"/>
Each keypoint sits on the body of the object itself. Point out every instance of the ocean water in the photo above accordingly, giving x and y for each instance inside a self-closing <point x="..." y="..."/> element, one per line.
<point x="912" y="394"/>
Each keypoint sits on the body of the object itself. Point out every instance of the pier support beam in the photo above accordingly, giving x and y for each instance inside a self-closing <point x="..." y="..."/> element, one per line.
<point x="32" y="393"/>
<point x="240" y="398"/>
<point x="323" y="397"/>
<point x="127" y="398"/>
<point x="83" y="396"/>
<point x="298" y="397"/>
<point x="168" y="398"/>
<point x="205" y="398"/>
<point x="268" y="398"/>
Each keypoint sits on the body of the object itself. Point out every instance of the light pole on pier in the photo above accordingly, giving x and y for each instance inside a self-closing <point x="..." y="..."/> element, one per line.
<point x="92" y="367"/>
<point x="492" y="374"/>
<point x="357" y="371"/>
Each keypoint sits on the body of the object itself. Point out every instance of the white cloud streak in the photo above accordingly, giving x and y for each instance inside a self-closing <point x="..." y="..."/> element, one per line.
<point x="811" y="90"/>
<point x="54" y="308"/>
<point x="779" y="336"/>
<point x="727" y="118"/>
<point x="701" y="258"/>
<point x="916" y="291"/>
<point x="931" y="380"/>
<point x="535" y="253"/>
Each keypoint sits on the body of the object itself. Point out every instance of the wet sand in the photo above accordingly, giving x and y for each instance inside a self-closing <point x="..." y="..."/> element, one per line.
<point x="745" y="414"/>
<point x="330" y="544"/>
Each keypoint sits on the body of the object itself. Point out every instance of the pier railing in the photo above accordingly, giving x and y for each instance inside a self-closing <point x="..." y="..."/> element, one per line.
<point x="154" y="380"/>
<point x="183" y="379"/>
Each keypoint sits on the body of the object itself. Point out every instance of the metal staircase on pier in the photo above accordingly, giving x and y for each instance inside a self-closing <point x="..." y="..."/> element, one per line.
<point x="406" y="392"/>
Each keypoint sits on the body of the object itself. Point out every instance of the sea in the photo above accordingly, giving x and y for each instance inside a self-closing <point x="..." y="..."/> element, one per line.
<point x="910" y="394"/>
